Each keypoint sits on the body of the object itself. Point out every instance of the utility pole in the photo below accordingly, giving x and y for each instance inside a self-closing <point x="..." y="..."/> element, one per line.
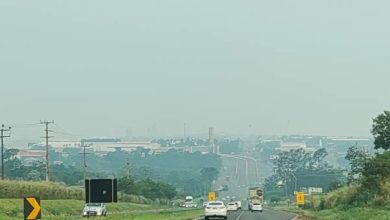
<point x="85" y="163"/>
<point x="46" y="123"/>
<point x="285" y="183"/>
<point x="184" y="131"/>
<point x="2" y="136"/>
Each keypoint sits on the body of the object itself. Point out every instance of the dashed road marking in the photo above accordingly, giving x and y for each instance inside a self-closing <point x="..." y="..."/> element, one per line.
<point x="238" y="218"/>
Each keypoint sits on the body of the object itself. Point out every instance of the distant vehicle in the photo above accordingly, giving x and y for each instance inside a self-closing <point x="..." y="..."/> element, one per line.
<point x="232" y="206"/>
<point x="225" y="188"/>
<point x="238" y="204"/>
<point x="215" y="209"/>
<point x="255" y="199"/>
<point x="189" y="202"/>
<point x="205" y="204"/>
<point x="257" y="207"/>
<point x="94" y="209"/>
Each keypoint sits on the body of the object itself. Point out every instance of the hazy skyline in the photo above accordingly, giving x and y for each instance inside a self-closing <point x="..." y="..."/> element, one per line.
<point x="99" y="68"/>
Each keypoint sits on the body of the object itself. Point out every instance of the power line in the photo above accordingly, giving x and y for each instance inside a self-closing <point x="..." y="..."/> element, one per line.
<point x="25" y="125"/>
<point x="2" y="136"/>
<point x="64" y="131"/>
<point x="46" y="123"/>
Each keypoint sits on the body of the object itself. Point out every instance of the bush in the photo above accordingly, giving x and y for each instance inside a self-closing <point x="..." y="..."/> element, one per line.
<point x="134" y="199"/>
<point x="45" y="190"/>
<point x="275" y="199"/>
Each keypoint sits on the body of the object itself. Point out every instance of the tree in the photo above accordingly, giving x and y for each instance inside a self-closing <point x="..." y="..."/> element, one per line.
<point x="376" y="170"/>
<point x="381" y="131"/>
<point x="317" y="160"/>
<point x="357" y="159"/>
<point x="298" y="168"/>
<point x="209" y="173"/>
<point x="126" y="185"/>
<point x="34" y="176"/>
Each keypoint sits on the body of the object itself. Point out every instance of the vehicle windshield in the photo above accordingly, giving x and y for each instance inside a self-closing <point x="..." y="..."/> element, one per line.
<point x="232" y="204"/>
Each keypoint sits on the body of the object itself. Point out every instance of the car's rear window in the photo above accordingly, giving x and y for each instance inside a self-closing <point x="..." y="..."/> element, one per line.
<point x="215" y="203"/>
<point x="232" y="204"/>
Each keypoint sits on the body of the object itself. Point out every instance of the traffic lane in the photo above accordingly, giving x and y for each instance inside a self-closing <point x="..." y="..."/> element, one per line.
<point x="267" y="214"/>
<point x="231" y="215"/>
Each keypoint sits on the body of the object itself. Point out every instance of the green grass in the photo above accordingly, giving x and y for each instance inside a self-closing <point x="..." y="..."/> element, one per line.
<point x="13" y="208"/>
<point x="163" y="215"/>
<point x="351" y="214"/>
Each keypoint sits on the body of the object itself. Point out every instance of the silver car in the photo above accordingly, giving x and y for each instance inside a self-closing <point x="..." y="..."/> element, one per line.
<point x="94" y="209"/>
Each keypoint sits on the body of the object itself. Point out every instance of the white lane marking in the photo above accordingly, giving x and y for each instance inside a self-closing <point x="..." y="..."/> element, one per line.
<point x="238" y="218"/>
<point x="295" y="218"/>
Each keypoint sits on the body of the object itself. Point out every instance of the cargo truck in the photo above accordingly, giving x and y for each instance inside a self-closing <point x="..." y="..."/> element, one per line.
<point x="255" y="199"/>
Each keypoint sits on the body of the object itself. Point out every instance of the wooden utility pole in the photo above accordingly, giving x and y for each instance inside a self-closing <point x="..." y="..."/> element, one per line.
<point x="2" y="136"/>
<point x="85" y="163"/>
<point x="46" y="123"/>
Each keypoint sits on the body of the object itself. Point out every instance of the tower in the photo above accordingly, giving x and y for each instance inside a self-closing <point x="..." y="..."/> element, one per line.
<point x="211" y="141"/>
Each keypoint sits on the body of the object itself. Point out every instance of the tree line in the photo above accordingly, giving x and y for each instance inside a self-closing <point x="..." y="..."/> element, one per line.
<point x="186" y="173"/>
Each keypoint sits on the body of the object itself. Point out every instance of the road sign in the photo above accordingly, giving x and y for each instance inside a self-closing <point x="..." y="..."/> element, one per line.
<point x="211" y="196"/>
<point x="300" y="196"/>
<point x="32" y="208"/>
<point x="101" y="190"/>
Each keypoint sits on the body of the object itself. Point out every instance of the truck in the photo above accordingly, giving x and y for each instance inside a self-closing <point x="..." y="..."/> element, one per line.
<point x="189" y="202"/>
<point x="255" y="199"/>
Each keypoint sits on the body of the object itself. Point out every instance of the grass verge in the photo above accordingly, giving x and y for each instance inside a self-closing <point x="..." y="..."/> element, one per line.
<point x="163" y="215"/>
<point x="69" y="209"/>
<point x="356" y="213"/>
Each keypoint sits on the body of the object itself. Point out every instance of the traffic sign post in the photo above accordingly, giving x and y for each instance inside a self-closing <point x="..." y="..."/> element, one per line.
<point x="300" y="198"/>
<point x="211" y="196"/>
<point x="101" y="190"/>
<point x="32" y="208"/>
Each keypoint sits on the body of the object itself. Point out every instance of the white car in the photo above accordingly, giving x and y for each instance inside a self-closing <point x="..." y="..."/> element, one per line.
<point x="238" y="204"/>
<point x="257" y="207"/>
<point x="94" y="209"/>
<point x="214" y="210"/>
<point x="232" y="206"/>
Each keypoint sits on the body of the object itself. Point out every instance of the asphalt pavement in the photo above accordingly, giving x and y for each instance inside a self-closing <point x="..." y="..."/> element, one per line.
<point x="267" y="214"/>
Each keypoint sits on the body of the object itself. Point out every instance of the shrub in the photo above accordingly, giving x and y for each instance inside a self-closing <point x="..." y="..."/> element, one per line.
<point x="275" y="199"/>
<point x="45" y="190"/>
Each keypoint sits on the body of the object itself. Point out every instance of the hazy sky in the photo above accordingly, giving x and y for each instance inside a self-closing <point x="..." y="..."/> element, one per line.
<point x="267" y="67"/>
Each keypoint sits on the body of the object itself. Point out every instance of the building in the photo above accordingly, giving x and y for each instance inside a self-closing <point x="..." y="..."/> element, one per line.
<point x="28" y="157"/>
<point x="287" y="146"/>
<point x="103" y="145"/>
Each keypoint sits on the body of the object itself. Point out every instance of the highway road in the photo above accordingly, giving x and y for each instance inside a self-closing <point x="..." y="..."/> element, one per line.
<point x="267" y="214"/>
<point x="243" y="173"/>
